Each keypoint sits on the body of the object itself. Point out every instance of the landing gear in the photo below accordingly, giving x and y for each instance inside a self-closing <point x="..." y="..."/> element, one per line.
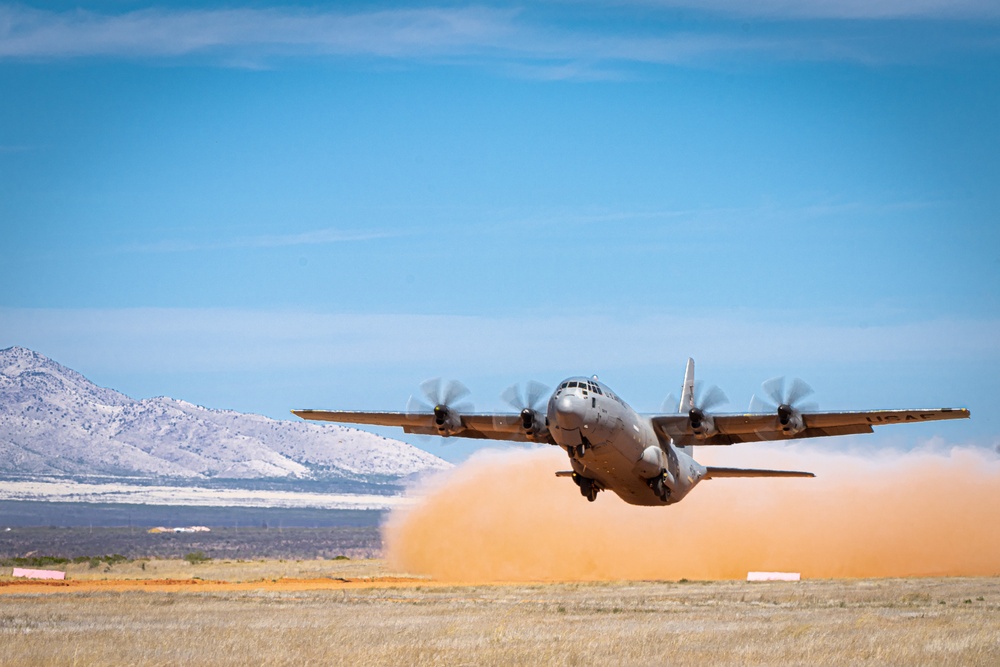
<point x="577" y="452"/>
<point x="660" y="488"/>
<point x="588" y="489"/>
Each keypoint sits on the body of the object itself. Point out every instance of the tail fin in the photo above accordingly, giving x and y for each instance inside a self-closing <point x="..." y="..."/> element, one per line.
<point x="687" y="398"/>
<point x="687" y="390"/>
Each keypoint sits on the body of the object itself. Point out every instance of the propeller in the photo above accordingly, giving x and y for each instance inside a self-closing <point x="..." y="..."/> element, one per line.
<point x="705" y="398"/>
<point x="442" y="397"/>
<point x="670" y="404"/>
<point x="786" y="401"/>
<point x="531" y="396"/>
<point x="783" y="398"/>
<point x="529" y="400"/>
<point x="708" y="397"/>
<point x="440" y="394"/>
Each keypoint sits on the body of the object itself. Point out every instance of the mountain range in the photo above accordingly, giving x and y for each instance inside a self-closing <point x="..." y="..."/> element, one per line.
<point x="55" y="423"/>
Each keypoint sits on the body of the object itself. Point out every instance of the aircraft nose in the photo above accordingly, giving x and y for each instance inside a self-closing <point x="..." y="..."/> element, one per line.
<point x="569" y="412"/>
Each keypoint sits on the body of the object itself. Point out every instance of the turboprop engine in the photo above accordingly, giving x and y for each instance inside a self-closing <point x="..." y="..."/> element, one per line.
<point x="702" y="425"/>
<point x="533" y="424"/>
<point x="444" y="397"/>
<point x="529" y="400"/>
<point x="786" y="401"/>
<point x="790" y="420"/>
<point x="446" y="421"/>
<point x="704" y="399"/>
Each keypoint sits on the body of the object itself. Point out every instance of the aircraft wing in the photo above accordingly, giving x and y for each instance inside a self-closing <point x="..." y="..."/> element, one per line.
<point x="755" y="427"/>
<point x="499" y="426"/>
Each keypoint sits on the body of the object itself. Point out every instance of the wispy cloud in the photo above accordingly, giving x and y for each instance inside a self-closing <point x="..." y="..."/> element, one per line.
<point x="225" y="339"/>
<point x="28" y="32"/>
<point x="317" y="237"/>
<point x="271" y="360"/>
<point x="725" y="220"/>
<point x="526" y="44"/>
<point x="837" y="9"/>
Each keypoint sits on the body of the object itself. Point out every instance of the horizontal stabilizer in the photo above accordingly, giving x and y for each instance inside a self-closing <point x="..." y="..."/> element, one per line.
<point x="564" y="473"/>
<point x="745" y="472"/>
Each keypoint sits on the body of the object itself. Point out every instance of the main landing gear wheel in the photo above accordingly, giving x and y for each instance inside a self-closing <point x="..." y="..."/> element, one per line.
<point x="660" y="488"/>
<point x="588" y="489"/>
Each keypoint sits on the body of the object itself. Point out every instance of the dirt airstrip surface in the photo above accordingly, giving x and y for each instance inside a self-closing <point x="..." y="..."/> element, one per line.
<point x="214" y="575"/>
<point x="22" y="586"/>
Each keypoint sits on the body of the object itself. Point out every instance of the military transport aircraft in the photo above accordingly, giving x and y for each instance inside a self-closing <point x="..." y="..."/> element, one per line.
<point x="645" y="460"/>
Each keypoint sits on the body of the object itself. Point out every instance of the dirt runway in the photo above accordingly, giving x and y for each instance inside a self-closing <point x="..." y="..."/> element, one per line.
<point x="21" y="587"/>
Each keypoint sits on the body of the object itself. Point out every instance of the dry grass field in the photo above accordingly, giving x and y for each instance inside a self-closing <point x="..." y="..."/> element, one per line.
<point x="262" y="571"/>
<point x="359" y="613"/>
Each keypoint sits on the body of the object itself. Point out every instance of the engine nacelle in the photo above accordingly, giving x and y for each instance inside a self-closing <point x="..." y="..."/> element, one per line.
<point x="533" y="424"/>
<point x="790" y="420"/>
<point x="702" y="425"/>
<point x="446" y="422"/>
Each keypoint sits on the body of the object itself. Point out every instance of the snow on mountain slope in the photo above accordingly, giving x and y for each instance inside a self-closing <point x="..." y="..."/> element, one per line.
<point x="53" y="421"/>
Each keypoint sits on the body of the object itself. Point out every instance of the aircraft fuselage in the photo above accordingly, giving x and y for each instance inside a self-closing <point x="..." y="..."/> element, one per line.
<point x="613" y="447"/>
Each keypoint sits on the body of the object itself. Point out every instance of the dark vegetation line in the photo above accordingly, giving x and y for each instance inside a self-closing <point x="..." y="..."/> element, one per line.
<point x="60" y="545"/>
<point x="62" y="514"/>
<point x="75" y="531"/>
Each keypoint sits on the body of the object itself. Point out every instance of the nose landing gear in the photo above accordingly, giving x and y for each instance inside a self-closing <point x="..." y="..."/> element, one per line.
<point x="577" y="451"/>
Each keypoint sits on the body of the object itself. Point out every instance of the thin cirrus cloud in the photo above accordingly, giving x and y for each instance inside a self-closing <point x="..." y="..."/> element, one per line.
<point x="225" y="339"/>
<point x="837" y="9"/>
<point x="525" y="42"/>
<point x="476" y="33"/>
<point x="27" y="33"/>
<point x="316" y="237"/>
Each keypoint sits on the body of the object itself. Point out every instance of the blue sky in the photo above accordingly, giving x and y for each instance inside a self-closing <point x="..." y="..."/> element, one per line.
<point x="263" y="206"/>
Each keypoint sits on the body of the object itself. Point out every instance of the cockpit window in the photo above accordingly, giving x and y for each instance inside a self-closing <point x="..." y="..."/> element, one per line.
<point x="573" y="384"/>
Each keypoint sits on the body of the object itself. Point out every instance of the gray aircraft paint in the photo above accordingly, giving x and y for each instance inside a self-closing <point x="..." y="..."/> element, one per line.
<point x="621" y="451"/>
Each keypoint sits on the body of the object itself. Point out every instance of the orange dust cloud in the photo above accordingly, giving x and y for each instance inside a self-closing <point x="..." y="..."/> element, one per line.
<point x="504" y="516"/>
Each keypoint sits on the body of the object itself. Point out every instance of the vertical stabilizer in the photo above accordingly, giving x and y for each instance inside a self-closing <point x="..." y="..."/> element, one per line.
<point x="687" y="390"/>
<point x="687" y="397"/>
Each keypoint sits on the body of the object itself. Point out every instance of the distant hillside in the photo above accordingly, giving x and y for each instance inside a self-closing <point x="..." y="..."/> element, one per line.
<point x="55" y="422"/>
